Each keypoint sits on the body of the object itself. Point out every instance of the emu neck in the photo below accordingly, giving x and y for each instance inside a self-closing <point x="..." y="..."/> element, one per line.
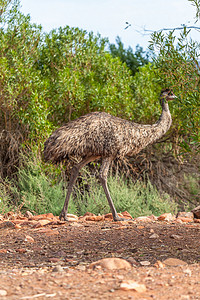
<point x="165" y="115"/>
<point x="165" y="120"/>
<point x="165" y="107"/>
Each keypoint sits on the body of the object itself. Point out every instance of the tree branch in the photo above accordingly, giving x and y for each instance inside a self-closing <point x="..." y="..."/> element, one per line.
<point x="148" y="31"/>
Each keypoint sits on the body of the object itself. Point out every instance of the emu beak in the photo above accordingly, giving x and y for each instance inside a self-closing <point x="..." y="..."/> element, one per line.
<point x="172" y="97"/>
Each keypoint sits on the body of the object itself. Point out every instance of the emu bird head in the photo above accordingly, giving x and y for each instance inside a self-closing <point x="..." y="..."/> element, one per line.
<point x="165" y="96"/>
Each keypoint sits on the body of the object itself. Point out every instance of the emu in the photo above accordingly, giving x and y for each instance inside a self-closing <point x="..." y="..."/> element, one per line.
<point x="101" y="135"/>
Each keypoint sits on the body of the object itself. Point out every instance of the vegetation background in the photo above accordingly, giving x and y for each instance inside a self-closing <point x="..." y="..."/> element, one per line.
<point x="47" y="79"/>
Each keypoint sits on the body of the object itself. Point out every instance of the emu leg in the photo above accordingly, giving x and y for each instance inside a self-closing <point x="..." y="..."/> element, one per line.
<point x="103" y="178"/>
<point x="72" y="180"/>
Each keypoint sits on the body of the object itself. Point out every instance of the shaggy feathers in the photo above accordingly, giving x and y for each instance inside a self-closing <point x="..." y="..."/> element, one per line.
<point x="102" y="134"/>
<point x="99" y="134"/>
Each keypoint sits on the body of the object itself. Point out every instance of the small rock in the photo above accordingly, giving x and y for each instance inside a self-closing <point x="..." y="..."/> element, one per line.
<point x="72" y="218"/>
<point x="43" y="216"/>
<point x="153" y="218"/>
<point x="145" y="263"/>
<point x="44" y="222"/>
<point x="178" y="221"/>
<point x="184" y="219"/>
<point x="159" y="264"/>
<point x="81" y="268"/>
<point x="29" y="239"/>
<point x="74" y="224"/>
<point x="7" y="224"/>
<point x="21" y="250"/>
<point x="58" y="268"/>
<point x="143" y="219"/>
<point x="185" y="214"/>
<point x="89" y="214"/>
<point x="176" y="237"/>
<point x="108" y="216"/>
<point x="166" y="217"/>
<point x="128" y="285"/>
<point x="132" y="261"/>
<point x="185" y="297"/>
<point x="17" y="226"/>
<point x="69" y="219"/>
<point x="174" y="262"/>
<point x="3" y="293"/>
<point x="28" y="214"/>
<point x="126" y="215"/>
<point x="113" y="263"/>
<point x="94" y="218"/>
<point x="3" y="250"/>
<point x="196" y="212"/>
<point x="187" y="272"/>
<point x="154" y="236"/>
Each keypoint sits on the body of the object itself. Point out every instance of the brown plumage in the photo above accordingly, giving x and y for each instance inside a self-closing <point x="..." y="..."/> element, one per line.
<point x="101" y="135"/>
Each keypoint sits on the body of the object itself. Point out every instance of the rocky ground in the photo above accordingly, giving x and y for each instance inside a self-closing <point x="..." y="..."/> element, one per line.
<point x="93" y="257"/>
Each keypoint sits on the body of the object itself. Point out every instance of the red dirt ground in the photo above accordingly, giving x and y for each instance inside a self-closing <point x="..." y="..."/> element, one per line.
<point x="52" y="261"/>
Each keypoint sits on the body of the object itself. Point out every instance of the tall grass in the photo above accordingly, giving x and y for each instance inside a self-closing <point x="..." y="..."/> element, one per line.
<point x="138" y="199"/>
<point x="38" y="192"/>
<point x="42" y="190"/>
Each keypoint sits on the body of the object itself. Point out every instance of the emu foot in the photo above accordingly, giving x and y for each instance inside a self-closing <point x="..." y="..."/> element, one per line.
<point x="63" y="216"/>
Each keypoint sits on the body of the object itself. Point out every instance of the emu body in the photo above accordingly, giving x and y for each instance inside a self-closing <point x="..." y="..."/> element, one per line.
<point x="101" y="135"/>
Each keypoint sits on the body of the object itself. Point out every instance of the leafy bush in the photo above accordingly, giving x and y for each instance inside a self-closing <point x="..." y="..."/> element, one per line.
<point x="138" y="199"/>
<point x="37" y="192"/>
<point x="6" y="203"/>
<point x="41" y="193"/>
<point x="176" y="66"/>
<point x="82" y="76"/>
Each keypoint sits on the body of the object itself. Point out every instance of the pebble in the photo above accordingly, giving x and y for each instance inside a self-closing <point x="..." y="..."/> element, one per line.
<point x="81" y="268"/>
<point x="7" y="224"/>
<point x="29" y="239"/>
<point x="154" y="236"/>
<point x="112" y="263"/>
<point x="185" y="214"/>
<point x="145" y="263"/>
<point x="132" y="261"/>
<point x="129" y="285"/>
<point x="166" y="217"/>
<point x="187" y="272"/>
<point x="159" y="264"/>
<point x="174" y="262"/>
<point x="58" y="268"/>
<point x="184" y="219"/>
<point x="176" y="236"/>
<point x="143" y="219"/>
<point x="3" y="293"/>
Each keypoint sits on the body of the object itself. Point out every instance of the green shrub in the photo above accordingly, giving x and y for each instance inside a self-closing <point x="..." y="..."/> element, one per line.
<point x="5" y="199"/>
<point x="41" y="188"/>
<point x="191" y="183"/>
<point x="37" y="191"/>
<point x="138" y="199"/>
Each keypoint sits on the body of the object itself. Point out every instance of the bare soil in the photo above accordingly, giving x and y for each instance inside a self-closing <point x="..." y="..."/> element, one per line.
<point x="53" y="261"/>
